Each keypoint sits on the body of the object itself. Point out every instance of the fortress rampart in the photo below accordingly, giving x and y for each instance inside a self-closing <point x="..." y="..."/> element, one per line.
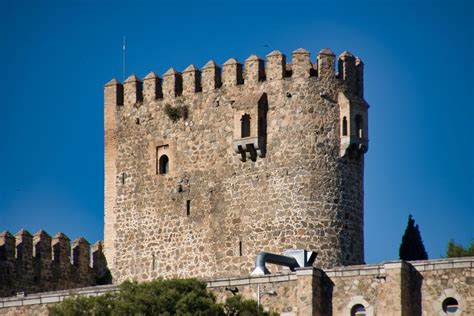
<point x="38" y="263"/>
<point x="205" y="168"/>
<point x="175" y="85"/>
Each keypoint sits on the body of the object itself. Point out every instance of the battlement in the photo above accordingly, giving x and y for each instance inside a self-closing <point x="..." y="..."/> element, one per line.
<point x="39" y="262"/>
<point x="192" y="80"/>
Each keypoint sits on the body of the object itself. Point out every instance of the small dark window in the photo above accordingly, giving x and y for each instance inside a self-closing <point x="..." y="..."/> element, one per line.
<point x="450" y="305"/>
<point x="123" y="178"/>
<point x="163" y="165"/>
<point x="188" y="207"/>
<point x="240" y="248"/>
<point x="245" y="125"/>
<point x="137" y="121"/>
<point x="344" y="126"/>
<point x="358" y="310"/>
<point x="359" y="123"/>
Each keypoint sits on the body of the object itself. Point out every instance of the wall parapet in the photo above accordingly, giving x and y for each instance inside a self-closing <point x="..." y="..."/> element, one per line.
<point x="212" y="77"/>
<point x="39" y="262"/>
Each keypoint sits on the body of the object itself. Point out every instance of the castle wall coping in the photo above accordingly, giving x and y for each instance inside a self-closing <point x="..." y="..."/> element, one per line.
<point x="422" y="265"/>
<point x="55" y="296"/>
<point x="271" y="278"/>
<point x="444" y="263"/>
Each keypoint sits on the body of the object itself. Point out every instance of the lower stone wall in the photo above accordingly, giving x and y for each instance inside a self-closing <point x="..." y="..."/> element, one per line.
<point x="394" y="288"/>
<point x="444" y="279"/>
<point x="401" y="288"/>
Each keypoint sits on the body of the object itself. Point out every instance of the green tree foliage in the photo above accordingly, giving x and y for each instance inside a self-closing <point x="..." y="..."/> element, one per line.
<point x="412" y="247"/>
<point x="183" y="297"/>
<point x="177" y="112"/>
<point x="457" y="250"/>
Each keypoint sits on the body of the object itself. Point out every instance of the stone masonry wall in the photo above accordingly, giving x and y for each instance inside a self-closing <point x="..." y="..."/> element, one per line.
<point x="212" y="213"/>
<point x="38" y="263"/>
<point x="401" y="288"/>
<point x="394" y="288"/>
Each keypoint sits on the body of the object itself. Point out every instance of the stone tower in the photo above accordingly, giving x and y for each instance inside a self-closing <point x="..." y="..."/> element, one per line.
<point x="206" y="168"/>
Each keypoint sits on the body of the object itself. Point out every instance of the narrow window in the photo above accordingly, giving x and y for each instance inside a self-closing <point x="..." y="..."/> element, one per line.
<point x="358" y="310"/>
<point x="163" y="165"/>
<point x="188" y="207"/>
<point x="137" y="121"/>
<point x="245" y="125"/>
<point x="123" y="177"/>
<point x="359" y="125"/>
<point x="240" y="248"/>
<point x="344" y="126"/>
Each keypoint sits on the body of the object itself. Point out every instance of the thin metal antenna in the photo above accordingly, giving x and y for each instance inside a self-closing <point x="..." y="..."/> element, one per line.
<point x="124" y="48"/>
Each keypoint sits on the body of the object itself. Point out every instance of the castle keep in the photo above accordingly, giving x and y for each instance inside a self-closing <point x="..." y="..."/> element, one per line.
<point x="206" y="168"/>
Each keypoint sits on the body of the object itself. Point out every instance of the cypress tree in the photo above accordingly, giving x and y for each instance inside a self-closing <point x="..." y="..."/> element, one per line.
<point x="412" y="247"/>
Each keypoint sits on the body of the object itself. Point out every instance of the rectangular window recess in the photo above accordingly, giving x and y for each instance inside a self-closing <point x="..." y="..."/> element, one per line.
<point x="188" y="207"/>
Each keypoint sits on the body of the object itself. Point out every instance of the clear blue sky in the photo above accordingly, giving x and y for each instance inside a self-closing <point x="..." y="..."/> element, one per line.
<point x="56" y="56"/>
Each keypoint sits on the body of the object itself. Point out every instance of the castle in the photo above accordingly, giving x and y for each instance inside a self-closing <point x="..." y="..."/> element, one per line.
<point x="205" y="169"/>
<point x="270" y="158"/>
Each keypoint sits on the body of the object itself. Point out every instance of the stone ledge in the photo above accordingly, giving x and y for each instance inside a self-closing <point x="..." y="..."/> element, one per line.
<point x="270" y="278"/>
<point x="443" y="264"/>
<point x="55" y="296"/>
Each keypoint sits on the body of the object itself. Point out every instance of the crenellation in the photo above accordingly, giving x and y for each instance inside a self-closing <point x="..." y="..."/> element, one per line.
<point x="81" y="260"/>
<point x="133" y="90"/>
<point x="232" y="73"/>
<point x="7" y="261"/>
<point x="359" y="84"/>
<point x="61" y="258"/>
<point x="113" y="92"/>
<point x="191" y="81"/>
<point x="326" y="64"/>
<point x="254" y="70"/>
<point x="43" y="263"/>
<point x="42" y="252"/>
<point x="99" y="262"/>
<point x="24" y="258"/>
<point x="301" y="63"/>
<point x="211" y="77"/>
<point x="172" y="84"/>
<point x="275" y="68"/>
<point x="347" y="70"/>
<point x="152" y="87"/>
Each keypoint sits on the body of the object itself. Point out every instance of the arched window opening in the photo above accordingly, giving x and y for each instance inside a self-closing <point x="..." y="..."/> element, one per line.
<point x="450" y="305"/>
<point x="359" y="126"/>
<point x="344" y="126"/>
<point x="245" y="125"/>
<point x="358" y="310"/>
<point x="164" y="164"/>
